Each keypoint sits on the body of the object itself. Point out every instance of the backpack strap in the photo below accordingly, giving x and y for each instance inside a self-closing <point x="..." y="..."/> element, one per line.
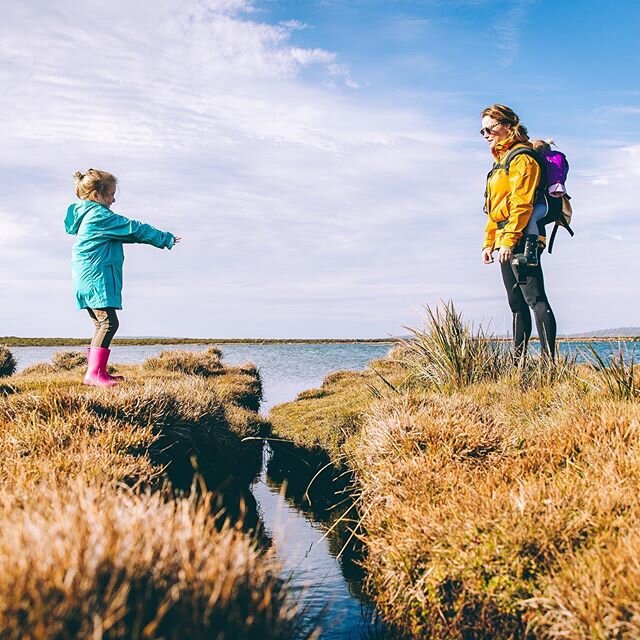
<point x="532" y="153"/>
<point x="560" y="222"/>
<point x="519" y="150"/>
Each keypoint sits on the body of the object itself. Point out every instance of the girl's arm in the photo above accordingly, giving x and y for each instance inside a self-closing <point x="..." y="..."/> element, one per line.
<point x="117" y="227"/>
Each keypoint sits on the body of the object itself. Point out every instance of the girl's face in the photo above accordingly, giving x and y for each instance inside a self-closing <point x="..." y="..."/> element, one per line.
<point x="108" y="198"/>
<point x="494" y="131"/>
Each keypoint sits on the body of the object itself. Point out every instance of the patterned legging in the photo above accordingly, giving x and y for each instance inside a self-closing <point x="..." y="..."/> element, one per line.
<point x="521" y="298"/>
<point x="106" y="324"/>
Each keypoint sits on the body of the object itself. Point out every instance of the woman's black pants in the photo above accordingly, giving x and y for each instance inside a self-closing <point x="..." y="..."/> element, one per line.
<point x="521" y="297"/>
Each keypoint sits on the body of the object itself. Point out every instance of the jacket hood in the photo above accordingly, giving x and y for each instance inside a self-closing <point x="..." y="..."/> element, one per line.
<point x="76" y="212"/>
<point x="503" y="146"/>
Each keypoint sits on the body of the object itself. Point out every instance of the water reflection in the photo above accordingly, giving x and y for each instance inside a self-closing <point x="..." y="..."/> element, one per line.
<point x="329" y="587"/>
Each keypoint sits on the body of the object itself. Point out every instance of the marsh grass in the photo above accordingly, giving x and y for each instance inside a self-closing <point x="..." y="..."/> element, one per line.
<point x="495" y="500"/>
<point x="100" y="534"/>
<point x="538" y="371"/>
<point x="327" y="417"/>
<point x="67" y="360"/>
<point x="621" y="374"/>
<point x="480" y="504"/>
<point x="206" y="363"/>
<point x="451" y="354"/>
<point x="87" y="562"/>
<point x="8" y="363"/>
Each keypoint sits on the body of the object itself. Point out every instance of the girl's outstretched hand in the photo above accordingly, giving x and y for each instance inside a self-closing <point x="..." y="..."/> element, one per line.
<point x="176" y="239"/>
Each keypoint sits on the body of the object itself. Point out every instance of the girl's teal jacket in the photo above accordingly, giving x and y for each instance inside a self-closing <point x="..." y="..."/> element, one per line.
<point x="97" y="253"/>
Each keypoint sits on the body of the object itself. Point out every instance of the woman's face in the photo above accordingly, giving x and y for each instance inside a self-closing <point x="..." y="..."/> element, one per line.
<point x="494" y="131"/>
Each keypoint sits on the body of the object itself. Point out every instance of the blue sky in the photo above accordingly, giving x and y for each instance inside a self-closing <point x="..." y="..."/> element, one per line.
<point x="320" y="158"/>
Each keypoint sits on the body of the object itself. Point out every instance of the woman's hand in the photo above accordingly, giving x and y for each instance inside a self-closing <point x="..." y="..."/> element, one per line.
<point x="176" y="239"/>
<point x="487" y="255"/>
<point x="504" y="255"/>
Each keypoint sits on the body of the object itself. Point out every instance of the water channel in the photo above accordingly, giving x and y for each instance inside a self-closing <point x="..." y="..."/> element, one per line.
<point x="307" y="556"/>
<point x="328" y="586"/>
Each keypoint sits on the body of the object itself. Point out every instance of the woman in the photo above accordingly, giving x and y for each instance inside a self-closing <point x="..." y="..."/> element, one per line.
<point x="512" y="190"/>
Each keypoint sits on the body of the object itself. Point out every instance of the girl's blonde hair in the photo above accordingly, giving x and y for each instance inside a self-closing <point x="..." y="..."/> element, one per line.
<point x="542" y="145"/>
<point x="94" y="181"/>
<point x="505" y="115"/>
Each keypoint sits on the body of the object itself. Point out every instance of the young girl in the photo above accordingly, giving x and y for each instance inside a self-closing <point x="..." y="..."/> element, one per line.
<point x="557" y="168"/>
<point x="97" y="261"/>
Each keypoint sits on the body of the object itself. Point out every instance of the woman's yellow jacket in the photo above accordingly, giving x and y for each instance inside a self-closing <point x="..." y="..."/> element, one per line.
<point x="510" y="197"/>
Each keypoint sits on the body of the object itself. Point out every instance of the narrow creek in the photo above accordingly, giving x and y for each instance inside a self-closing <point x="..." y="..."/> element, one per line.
<point x="328" y="587"/>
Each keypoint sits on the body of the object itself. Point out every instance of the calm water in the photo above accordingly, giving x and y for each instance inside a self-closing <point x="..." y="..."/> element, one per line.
<point x="305" y="554"/>
<point x="289" y="368"/>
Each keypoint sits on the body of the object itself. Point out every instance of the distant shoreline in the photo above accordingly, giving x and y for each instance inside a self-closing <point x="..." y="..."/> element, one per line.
<point x="14" y="341"/>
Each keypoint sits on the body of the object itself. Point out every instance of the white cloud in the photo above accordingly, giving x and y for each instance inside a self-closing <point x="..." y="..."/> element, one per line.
<point x="312" y="56"/>
<point x="624" y="110"/>
<point x="295" y="25"/>
<point x="305" y="209"/>
<point x="13" y="230"/>
<point x="508" y="27"/>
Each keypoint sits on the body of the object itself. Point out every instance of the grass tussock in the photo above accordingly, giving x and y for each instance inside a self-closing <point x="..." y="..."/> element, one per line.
<point x="620" y="376"/>
<point x="327" y="417"/>
<point x="451" y="354"/>
<point x="204" y="363"/>
<point x="67" y="360"/>
<point x="94" y="541"/>
<point x="495" y="501"/>
<point x="8" y="363"/>
<point x="476" y="506"/>
<point x="163" y="421"/>
<point x="87" y="563"/>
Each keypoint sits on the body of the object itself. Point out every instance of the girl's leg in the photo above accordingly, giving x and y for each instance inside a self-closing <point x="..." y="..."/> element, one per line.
<point x="532" y="232"/>
<point x="536" y="297"/>
<point x="533" y="228"/>
<point x="520" y="310"/>
<point x="106" y="324"/>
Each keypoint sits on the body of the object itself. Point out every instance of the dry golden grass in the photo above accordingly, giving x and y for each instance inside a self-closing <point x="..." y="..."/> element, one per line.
<point x="494" y="503"/>
<point x="92" y="562"/>
<point x="487" y="510"/>
<point x="207" y="363"/>
<point x="87" y="551"/>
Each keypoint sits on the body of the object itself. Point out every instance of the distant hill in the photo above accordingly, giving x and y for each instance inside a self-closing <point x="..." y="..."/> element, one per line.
<point x="627" y="332"/>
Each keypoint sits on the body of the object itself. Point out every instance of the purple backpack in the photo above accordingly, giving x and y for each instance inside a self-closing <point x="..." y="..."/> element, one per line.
<point x="557" y="170"/>
<point x="558" y="206"/>
<point x="555" y="167"/>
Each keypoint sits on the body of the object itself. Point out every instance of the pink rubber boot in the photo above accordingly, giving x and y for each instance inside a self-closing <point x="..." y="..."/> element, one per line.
<point x="116" y="378"/>
<point x="97" y="375"/>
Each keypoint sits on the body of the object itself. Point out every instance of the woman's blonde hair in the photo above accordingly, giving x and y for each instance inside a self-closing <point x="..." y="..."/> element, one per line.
<point x="94" y="181"/>
<point x="507" y="116"/>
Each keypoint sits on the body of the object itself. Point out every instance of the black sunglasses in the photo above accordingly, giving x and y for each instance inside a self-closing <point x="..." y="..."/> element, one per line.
<point x="487" y="130"/>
